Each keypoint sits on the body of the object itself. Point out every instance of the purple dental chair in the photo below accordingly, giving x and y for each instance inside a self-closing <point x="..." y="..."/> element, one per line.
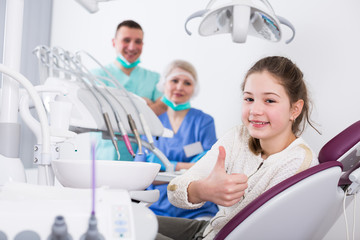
<point x="306" y="205"/>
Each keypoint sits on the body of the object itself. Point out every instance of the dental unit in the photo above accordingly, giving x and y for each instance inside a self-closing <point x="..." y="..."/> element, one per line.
<point x="67" y="96"/>
<point x="12" y="195"/>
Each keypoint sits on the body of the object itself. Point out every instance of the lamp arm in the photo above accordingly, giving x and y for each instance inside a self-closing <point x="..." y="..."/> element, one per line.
<point x="199" y="13"/>
<point x="286" y="22"/>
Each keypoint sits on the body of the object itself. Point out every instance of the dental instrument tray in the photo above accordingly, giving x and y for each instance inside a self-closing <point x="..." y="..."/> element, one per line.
<point x="87" y="114"/>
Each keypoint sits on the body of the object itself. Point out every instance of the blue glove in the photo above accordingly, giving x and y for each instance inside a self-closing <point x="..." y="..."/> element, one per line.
<point x="154" y="159"/>
<point x="197" y="157"/>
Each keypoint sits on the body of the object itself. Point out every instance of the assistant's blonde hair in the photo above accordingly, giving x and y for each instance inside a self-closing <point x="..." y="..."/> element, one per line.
<point x="184" y="65"/>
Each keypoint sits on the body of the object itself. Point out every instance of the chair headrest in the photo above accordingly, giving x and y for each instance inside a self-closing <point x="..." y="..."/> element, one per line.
<point x="344" y="148"/>
<point x="340" y="144"/>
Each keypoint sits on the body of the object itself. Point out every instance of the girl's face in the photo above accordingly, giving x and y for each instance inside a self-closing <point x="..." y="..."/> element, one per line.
<point x="266" y="110"/>
<point x="180" y="88"/>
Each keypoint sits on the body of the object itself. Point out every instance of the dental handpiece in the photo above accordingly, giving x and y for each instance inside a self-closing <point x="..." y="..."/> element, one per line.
<point x="147" y="130"/>
<point x="124" y="133"/>
<point x="126" y="139"/>
<point x="111" y="132"/>
<point x="136" y="133"/>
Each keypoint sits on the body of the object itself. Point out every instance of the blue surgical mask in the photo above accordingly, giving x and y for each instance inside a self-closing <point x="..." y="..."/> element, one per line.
<point x="175" y="107"/>
<point x="125" y="63"/>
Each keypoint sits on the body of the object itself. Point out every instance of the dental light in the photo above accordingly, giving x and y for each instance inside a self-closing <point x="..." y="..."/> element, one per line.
<point x="241" y="18"/>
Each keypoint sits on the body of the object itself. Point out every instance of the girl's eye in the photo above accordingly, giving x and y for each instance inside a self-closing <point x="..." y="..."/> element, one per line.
<point x="248" y="99"/>
<point x="270" y="101"/>
<point x="188" y="83"/>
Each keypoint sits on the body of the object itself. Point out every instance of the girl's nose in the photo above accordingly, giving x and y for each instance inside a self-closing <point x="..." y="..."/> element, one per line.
<point x="256" y="108"/>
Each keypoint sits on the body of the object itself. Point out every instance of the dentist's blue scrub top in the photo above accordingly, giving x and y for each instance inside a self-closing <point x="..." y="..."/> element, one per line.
<point x="197" y="126"/>
<point x="141" y="82"/>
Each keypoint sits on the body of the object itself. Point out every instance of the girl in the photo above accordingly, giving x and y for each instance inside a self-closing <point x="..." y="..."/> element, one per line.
<point x="250" y="158"/>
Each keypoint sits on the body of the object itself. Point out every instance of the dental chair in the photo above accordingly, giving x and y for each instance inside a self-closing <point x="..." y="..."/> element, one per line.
<point x="306" y="205"/>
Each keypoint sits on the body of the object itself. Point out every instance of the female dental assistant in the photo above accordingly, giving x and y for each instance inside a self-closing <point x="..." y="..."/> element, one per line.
<point x="194" y="134"/>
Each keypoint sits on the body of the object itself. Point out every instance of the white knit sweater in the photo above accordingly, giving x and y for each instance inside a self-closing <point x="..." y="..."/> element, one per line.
<point x="239" y="159"/>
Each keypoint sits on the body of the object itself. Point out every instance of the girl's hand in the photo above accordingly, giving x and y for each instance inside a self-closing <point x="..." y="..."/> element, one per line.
<point x="219" y="187"/>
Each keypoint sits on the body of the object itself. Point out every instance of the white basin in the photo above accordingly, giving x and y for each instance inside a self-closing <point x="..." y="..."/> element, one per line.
<point x="114" y="174"/>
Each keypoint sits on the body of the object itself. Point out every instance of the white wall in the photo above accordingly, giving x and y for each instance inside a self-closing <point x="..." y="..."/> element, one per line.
<point x="326" y="48"/>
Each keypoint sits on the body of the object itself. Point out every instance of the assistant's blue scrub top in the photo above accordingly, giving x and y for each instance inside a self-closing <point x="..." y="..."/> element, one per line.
<point x="197" y="126"/>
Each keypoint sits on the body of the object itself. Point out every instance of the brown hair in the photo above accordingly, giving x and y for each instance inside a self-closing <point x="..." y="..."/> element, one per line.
<point x="291" y="78"/>
<point x="129" y="24"/>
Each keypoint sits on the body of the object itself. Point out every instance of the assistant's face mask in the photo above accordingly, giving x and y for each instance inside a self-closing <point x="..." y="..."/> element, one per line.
<point x="174" y="106"/>
<point x="125" y="63"/>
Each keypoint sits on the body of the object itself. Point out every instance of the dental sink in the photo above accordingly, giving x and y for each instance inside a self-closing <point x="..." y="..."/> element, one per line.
<point x="113" y="174"/>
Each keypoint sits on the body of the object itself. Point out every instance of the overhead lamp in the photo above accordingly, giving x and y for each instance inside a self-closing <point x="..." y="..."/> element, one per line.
<point x="241" y="18"/>
<point x="90" y="5"/>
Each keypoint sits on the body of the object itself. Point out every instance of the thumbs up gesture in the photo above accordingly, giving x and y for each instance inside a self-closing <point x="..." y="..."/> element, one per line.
<point x="219" y="187"/>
